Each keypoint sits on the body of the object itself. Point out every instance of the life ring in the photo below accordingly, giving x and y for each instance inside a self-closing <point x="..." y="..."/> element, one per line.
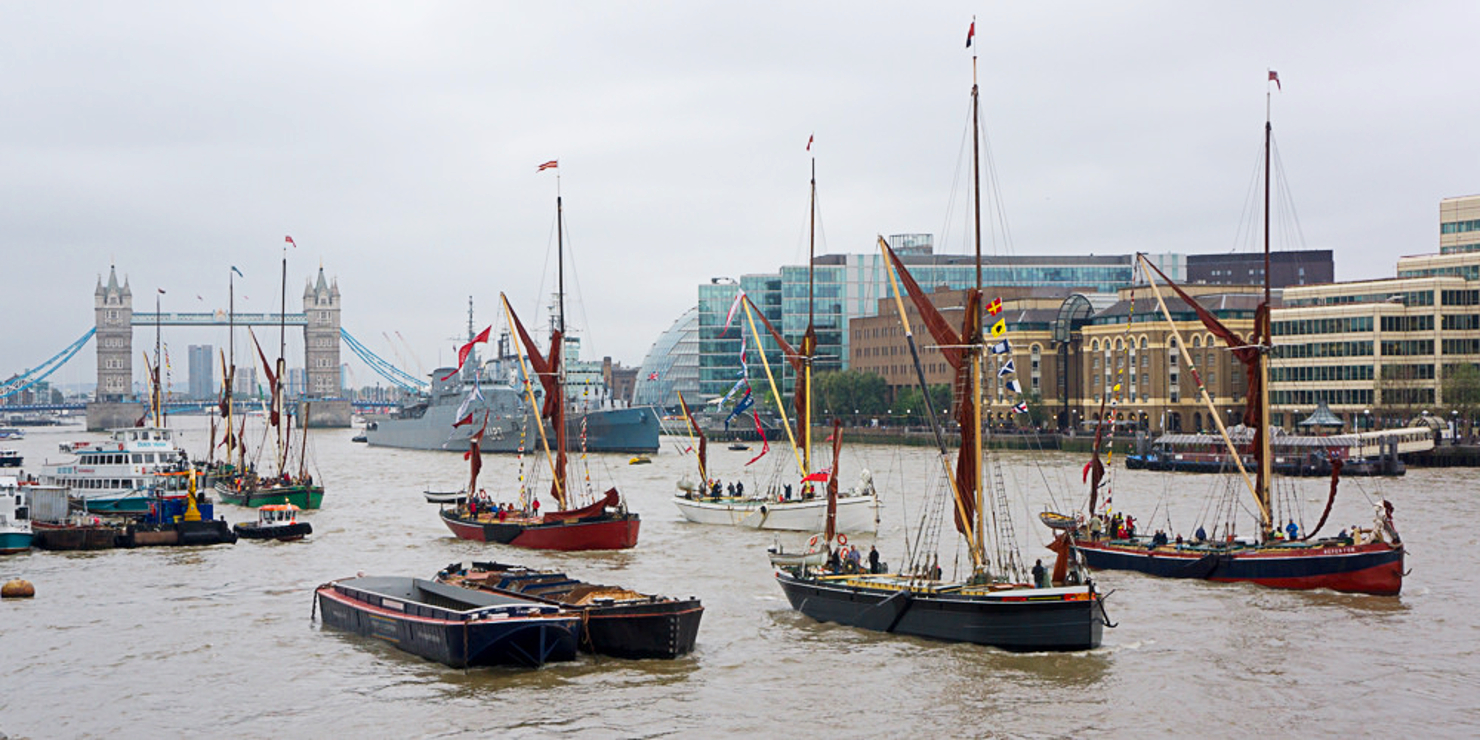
<point x="812" y="542"/>
<point x="843" y="539"/>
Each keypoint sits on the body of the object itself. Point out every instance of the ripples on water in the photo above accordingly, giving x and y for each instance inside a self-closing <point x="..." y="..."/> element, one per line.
<point x="170" y="642"/>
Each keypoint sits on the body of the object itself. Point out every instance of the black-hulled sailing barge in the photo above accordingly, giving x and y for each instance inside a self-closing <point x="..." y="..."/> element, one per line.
<point x="995" y="604"/>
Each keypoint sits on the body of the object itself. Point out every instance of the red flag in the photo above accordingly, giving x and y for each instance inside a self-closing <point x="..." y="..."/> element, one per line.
<point x="465" y="420"/>
<point x="817" y="477"/>
<point x="462" y="354"/>
<point x="970" y="32"/>
<point x="289" y="240"/>
<point x="809" y="142"/>
<point x="550" y="165"/>
<point x="1275" y="78"/>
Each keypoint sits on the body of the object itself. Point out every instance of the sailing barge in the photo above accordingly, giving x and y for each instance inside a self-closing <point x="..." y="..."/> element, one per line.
<point x="618" y="622"/>
<point x="456" y="626"/>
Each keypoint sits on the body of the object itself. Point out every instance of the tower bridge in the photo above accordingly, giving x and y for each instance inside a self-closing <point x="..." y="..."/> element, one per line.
<point x="114" y="403"/>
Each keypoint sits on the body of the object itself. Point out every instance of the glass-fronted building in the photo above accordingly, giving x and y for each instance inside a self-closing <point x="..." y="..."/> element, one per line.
<point x="850" y="285"/>
<point x="671" y="365"/>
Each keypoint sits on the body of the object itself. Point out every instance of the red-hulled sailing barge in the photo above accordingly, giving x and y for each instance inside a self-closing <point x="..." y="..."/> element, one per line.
<point x="1367" y="561"/>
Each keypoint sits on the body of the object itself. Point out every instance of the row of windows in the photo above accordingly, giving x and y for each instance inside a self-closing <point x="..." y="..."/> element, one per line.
<point x="1407" y="347"/>
<point x="1322" y="349"/>
<point x="1332" y="396"/>
<point x="1320" y="372"/>
<point x="1418" y="371"/>
<point x="1423" y="322"/>
<point x="1461" y="346"/>
<point x="1407" y="298"/>
<point x="122" y="458"/>
<point x="1461" y="297"/>
<point x="1459" y="227"/>
<point x="1339" y="325"/>
<point x="1461" y="322"/>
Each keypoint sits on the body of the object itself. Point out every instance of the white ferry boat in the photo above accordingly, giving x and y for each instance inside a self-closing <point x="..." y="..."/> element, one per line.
<point x="118" y="473"/>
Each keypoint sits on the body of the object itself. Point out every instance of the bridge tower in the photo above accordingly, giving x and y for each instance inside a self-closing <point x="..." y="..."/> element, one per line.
<point x="327" y="406"/>
<point x="114" y="403"/>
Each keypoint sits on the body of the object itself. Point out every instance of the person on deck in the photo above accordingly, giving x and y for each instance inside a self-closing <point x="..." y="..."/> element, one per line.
<point x="536" y="507"/>
<point x="1292" y="530"/>
<point x="873" y="559"/>
<point x="1039" y="573"/>
<point x="739" y="488"/>
<point x="1201" y="535"/>
<point x="730" y="489"/>
<point x="935" y="568"/>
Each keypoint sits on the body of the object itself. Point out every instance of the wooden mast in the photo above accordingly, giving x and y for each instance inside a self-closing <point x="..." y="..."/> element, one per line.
<point x="809" y="340"/>
<point x="1261" y="333"/>
<point x="557" y="339"/>
<point x="974" y="342"/>
<point x="277" y="386"/>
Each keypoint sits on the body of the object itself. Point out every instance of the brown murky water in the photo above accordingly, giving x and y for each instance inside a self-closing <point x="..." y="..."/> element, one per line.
<point x="219" y="641"/>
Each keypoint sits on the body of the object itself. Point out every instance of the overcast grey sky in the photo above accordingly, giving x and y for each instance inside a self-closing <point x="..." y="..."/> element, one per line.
<point x="398" y="144"/>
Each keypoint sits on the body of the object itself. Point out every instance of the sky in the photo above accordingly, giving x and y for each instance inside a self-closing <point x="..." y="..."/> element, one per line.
<point x="398" y="144"/>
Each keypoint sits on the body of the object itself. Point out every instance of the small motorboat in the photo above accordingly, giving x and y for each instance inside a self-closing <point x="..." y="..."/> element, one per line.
<point x="275" y="522"/>
<point x="739" y="446"/>
<point x="446" y="497"/>
<point x="639" y="460"/>
<point x="814" y="556"/>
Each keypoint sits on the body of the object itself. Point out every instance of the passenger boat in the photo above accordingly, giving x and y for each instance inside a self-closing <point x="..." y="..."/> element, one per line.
<point x="618" y="622"/>
<point x="603" y="522"/>
<point x="994" y="604"/>
<point x="117" y="475"/>
<point x="783" y="507"/>
<point x="15" y="517"/>
<point x="11" y="458"/>
<point x="1368" y="561"/>
<point x="455" y="626"/>
<point x="12" y="433"/>
<point x="1369" y="453"/>
<point x="274" y="522"/>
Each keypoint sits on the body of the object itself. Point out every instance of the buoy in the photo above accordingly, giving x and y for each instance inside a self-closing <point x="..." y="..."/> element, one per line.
<point x="17" y="589"/>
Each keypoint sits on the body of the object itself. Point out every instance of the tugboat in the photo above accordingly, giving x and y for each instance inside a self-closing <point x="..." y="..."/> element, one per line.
<point x="275" y="522"/>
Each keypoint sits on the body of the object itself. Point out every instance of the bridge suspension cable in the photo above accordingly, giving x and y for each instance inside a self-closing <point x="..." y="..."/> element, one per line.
<point x="40" y="372"/>
<point x="395" y="375"/>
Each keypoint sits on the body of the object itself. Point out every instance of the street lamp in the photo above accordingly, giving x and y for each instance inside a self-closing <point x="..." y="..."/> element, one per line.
<point x="1367" y="419"/>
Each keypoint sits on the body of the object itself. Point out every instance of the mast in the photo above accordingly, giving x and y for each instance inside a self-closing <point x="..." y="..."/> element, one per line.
<point x="230" y="375"/>
<point x="1262" y="336"/>
<point x="809" y="340"/>
<point x="277" y="385"/>
<point x="158" y="399"/>
<point x="557" y="338"/>
<point x="974" y="342"/>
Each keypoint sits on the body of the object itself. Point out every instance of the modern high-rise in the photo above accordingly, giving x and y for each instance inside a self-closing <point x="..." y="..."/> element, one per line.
<point x="202" y="376"/>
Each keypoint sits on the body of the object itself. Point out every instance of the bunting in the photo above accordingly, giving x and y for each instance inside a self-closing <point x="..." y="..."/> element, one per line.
<point x="740" y="408"/>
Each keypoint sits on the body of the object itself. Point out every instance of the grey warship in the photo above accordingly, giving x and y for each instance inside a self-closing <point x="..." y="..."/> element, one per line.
<point x="594" y="419"/>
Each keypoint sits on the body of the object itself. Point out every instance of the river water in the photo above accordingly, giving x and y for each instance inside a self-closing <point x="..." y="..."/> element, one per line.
<point x="171" y="642"/>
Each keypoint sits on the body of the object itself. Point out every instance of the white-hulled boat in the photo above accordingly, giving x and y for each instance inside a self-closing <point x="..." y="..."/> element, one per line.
<point x="858" y="511"/>
<point x="117" y="474"/>
<point x="15" y="520"/>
